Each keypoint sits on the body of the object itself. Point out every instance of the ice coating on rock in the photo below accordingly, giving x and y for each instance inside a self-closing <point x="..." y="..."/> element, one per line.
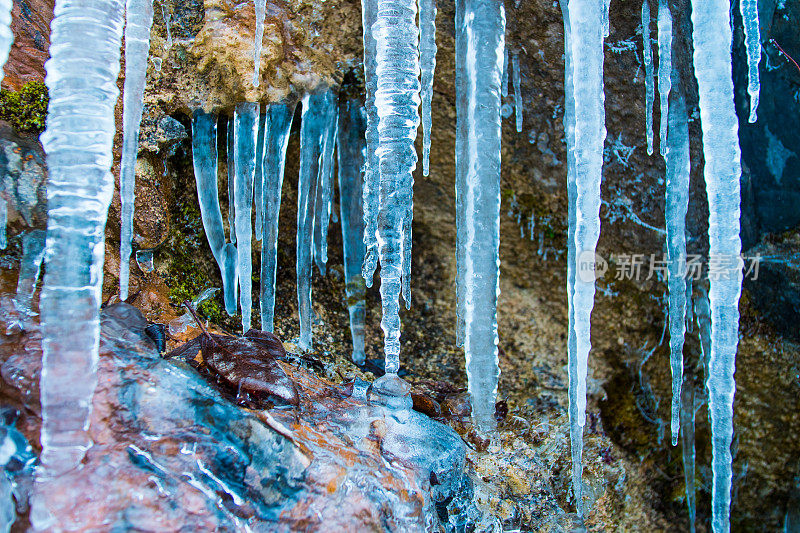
<point x="479" y="61"/>
<point x="677" y="203"/>
<point x="317" y="109"/>
<point x="369" y="12"/>
<point x="688" y="449"/>
<point x="664" y="69"/>
<point x="351" y="152"/>
<point x="427" y="65"/>
<point x="586" y="66"/>
<point x="517" y="81"/>
<point x="277" y="127"/>
<point x="752" y="42"/>
<point x="258" y="181"/>
<point x="138" y="19"/>
<point x="261" y="9"/>
<point x="649" y="92"/>
<point x="78" y="143"/>
<point x="324" y="197"/>
<point x="246" y="117"/>
<point x="397" y="100"/>
<point x="6" y="35"/>
<point x="33" y="242"/>
<point x="712" y="66"/>
<point x="204" y="158"/>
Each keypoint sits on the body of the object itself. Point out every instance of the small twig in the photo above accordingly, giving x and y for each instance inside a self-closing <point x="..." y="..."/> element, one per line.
<point x="787" y="56"/>
<point x="199" y="322"/>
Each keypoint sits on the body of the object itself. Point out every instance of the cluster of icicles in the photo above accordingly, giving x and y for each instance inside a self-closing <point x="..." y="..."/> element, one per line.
<point x="376" y="161"/>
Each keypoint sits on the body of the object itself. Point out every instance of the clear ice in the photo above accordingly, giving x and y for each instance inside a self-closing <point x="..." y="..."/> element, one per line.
<point x="33" y="242"/>
<point x="585" y="68"/>
<point x="677" y="202"/>
<point x="427" y="64"/>
<point x="517" y="81"/>
<point x="687" y="417"/>
<point x="205" y="159"/>
<point x="480" y="42"/>
<point x="752" y="41"/>
<point x="6" y="38"/>
<point x="261" y="11"/>
<point x="78" y="142"/>
<point x="711" y="21"/>
<point x="397" y="99"/>
<point x="649" y="92"/>
<point x="369" y="12"/>
<point x="277" y="127"/>
<point x="504" y="83"/>
<point x="352" y="152"/>
<point x="246" y="118"/>
<point x="258" y="181"/>
<point x="664" y="69"/>
<point x="138" y="19"/>
<point x="324" y="197"/>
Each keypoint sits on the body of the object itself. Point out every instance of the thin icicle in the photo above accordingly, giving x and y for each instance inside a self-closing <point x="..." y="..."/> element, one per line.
<point x="166" y="14"/>
<point x="677" y="202"/>
<point x="261" y="10"/>
<point x="427" y="64"/>
<point x="687" y="434"/>
<point x="664" y="69"/>
<point x="369" y="12"/>
<point x="78" y="142"/>
<point x="517" y="79"/>
<point x="32" y="256"/>
<point x="586" y="65"/>
<point x="258" y="183"/>
<point x="702" y="311"/>
<point x="246" y="118"/>
<point x="3" y="217"/>
<point x="278" y="126"/>
<point x="397" y="100"/>
<point x="316" y="110"/>
<point x="606" y="21"/>
<point x="231" y="173"/>
<point x="479" y="60"/>
<point x="649" y="92"/>
<point x="351" y="158"/>
<point x="711" y="35"/>
<point x="752" y="42"/>
<point x="138" y="19"/>
<point x="504" y="84"/>
<point x="324" y="197"/>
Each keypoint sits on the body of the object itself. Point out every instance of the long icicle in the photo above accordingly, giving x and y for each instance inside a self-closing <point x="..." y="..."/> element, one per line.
<point x="517" y="82"/>
<point x="258" y="183"/>
<point x="138" y="19"/>
<point x="664" y="70"/>
<point x="369" y="12"/>
<point x="6" y="39"/>
<point x="752" y="42"/>
<point x="261" y="11"/>
<point x="712" y="39"/>
<point x="324" y="197"/>
<point x="586" y="40"/>
<point x="687" y="438"/>
<point x="246" y="118"/>
<point x="479" y="59"/>
<point x="278" y="127"/>
<point x="397" y="100"/>
<point x="427" y="63"/>
<point x="649" y="92"/>
<point x="78" y="142"/>
<point x="677" y="203"/>
<point x="351" y="151"/>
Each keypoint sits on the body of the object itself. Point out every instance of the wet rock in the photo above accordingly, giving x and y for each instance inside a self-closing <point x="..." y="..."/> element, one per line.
<point x="161" y="134"/>
<point x="30" y="23"/>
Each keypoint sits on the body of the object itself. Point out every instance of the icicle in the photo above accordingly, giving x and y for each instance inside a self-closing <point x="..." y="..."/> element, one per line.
<point x="3" y="217"/>
<point x="246" y="118"/>
<point x="606" y="22"/>
<point x="687" y="434"/>
<point x="517" y="79"/>
<point x="316" y="111"/>
<point x="427" y="63"/>
<point x="138" y="19"/>
<point x="231" y="180"/>
<point x="479" y="61"/>
<point x="324" y="197"/>
<point x="167" y="16"/>
<point x="369" y="12"/>
<point x="6" y="36"/>
<point x="586" y="121"/>
<point x="664" y="69"/>
<point x="78" y="142"/>
<point x="702" y="310"/>
<point x="648" y="75"/>
<point x="277" y="128"/>
<point x="352" y="155"/>
<point x="677" y="202"/>
<point x="30" y="265"/>
<point x="712" y="64"/>
<point x="752" y="41"/>
<point x="204" y="157"/>
<point x="261" y="10"/>
<point x="258" y="182"/>
<point x="504" y="84"/>
<point x="397" y="100"/>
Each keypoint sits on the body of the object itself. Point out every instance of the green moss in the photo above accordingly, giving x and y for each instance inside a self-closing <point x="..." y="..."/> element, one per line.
<point x="25" y="109"/>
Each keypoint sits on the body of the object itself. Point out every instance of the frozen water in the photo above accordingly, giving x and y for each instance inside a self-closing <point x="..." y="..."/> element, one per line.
<point x="649" y="92"/>
<point x="6" y="36"/>
<point x="30" y="265"/>
<point x="480" y="43"/>
<point x="277" y="127"/>
<point x="752" y="41"/>
<point x="258" y="182"/>
<point x="138" y="19"/>
<point x="517" y="81"/>
<point x="179" y="325"/>
<point x="324" y="198"/>
<point x="351" y="152"/>
<point x="369" y="12"/>
<point x="687" y="433"/>
<point x="427" y="63"/>
<point x="712" y="37"/>
<point x="260" y="8"/>
<point x="664" y="69"/>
